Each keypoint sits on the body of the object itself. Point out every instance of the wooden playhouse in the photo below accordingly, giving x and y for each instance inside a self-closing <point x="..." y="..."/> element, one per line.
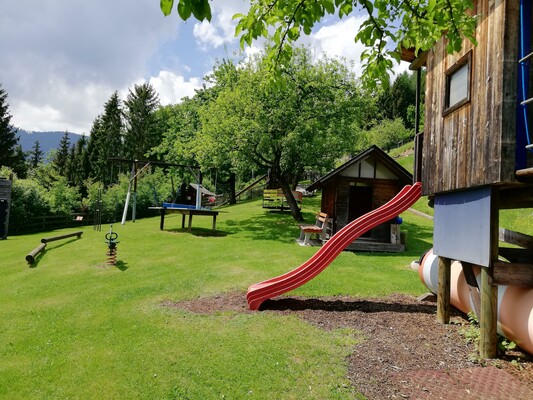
<point x="362" y="184"/>
<point x="472" y="158"/>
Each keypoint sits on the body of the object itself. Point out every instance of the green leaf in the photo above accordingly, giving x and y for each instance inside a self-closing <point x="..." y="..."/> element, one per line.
<point x="328" y="5"/>
<point x="293" y="33"/>
<point x="184" y="10"/>
<point x="345" y="9"/>
<point x="201" y="10"/>
<point x="370" y="7"/>
<point x="166" y="6"/>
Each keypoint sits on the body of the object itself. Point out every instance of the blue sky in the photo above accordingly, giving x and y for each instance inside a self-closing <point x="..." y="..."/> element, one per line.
<point x="62" y="60"/>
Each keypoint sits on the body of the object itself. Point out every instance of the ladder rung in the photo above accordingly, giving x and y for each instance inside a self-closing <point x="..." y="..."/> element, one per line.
<point x="529" y="146"/>
<point x="526" y="58"/>
<point x="527" y="101"/>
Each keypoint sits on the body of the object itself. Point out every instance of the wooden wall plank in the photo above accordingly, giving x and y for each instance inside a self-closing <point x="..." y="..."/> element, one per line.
<point x="474" y="145"/>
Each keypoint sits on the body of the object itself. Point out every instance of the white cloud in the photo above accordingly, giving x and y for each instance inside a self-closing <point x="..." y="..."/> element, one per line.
<point x="251" y="51"/>
<point x="221" y="29"/>
<point x="61" y="107"/>
<point x="208" y="35"/>
<point x="172" y="88"/>
<point x="61" y="62"/>
<point x="337" y="40"/>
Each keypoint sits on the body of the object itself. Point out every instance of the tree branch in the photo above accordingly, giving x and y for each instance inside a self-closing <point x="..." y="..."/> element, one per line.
<point x="291" y="20"/>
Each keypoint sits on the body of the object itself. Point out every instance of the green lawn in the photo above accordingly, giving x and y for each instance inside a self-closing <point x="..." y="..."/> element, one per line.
<point x="71" y="327"/>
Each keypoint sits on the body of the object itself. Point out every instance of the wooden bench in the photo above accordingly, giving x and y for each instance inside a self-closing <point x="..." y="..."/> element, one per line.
<point x="274" y="198"/>
<point x="319" y="229"/>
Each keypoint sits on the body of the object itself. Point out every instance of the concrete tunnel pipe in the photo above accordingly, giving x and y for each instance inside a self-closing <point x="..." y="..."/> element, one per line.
<point x="515" y="304"/>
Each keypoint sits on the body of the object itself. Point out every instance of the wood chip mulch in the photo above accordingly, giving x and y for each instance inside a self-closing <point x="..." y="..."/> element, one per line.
<point x="406" y="353"/>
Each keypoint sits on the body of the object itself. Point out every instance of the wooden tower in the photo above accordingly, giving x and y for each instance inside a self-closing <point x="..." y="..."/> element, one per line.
<point x="472" y="158"/>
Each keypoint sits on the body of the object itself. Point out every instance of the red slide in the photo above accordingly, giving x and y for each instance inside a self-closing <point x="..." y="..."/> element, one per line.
<point x="291" y="280"/>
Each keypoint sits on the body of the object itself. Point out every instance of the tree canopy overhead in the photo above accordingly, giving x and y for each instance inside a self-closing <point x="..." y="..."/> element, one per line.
<point x="306" y="124"/>
<point x="390" y="25"/>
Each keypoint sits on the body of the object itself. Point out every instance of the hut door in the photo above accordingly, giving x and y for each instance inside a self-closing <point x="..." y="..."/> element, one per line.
<point x="360" y="203"/>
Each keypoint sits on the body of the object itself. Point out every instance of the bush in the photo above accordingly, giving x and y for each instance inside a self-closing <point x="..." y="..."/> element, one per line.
<point x="388" y="134"/>
<point x="62" y="198"/>
<point x="152" y="189"/>
<point x="28" y="200"/>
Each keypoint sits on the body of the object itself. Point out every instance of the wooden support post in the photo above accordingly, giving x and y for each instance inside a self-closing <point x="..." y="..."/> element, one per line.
<point x="443" y="292"/>
<point x="162" y="222"/>
<point x="487" y="319"/>
<point x="473" y="287"/>
<point x="488" y="340"/>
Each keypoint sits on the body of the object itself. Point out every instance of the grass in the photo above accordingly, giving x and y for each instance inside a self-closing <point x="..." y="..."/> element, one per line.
<point x="71" y="327"/>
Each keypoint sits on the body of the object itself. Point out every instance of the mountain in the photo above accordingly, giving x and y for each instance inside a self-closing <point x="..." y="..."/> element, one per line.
<point x="47" y="140"/>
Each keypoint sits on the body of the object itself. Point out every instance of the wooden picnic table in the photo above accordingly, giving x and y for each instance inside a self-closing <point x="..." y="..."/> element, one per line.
<point x="186" y="212"/>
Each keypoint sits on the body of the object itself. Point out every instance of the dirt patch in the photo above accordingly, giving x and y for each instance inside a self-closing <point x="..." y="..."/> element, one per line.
<point x="406" y="354"/>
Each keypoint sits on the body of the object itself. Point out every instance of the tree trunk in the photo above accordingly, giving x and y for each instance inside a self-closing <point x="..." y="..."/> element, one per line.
<point x="231" y="183"/>
<point x="295" y="179"/>
<point x="271" y="181"/>
<point x="295" y="211"/>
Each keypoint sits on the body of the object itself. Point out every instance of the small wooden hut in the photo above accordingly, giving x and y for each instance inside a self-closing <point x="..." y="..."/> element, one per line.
<point x="362" y="184"/>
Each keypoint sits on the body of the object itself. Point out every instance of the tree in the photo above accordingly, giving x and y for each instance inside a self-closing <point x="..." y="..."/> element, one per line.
<point x="388" y="134"/>
<point x="142" y="131"/>
<point x="245" y="124"/>
<point x="112" y="131"/>
<point x="96" y="150"/>
<point x="78" y="165"/>
<point x="36" y="155"/>
<point x="20" y="167"/>
<point x="180" y="125"/>
<point x="60" y="160"/>
<point x="11" y="154"/>
<point x="395" y="101"/>
<point x="106" y="141"/>
<point x="390" y="26"/>
<point x="212" y="154"/>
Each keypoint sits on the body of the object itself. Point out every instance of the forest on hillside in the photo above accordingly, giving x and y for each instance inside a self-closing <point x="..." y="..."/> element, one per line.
<point x="237" y="127"/>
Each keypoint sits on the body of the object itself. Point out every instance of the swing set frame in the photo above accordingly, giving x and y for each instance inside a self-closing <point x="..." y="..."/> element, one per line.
<point x="137" y="172"/>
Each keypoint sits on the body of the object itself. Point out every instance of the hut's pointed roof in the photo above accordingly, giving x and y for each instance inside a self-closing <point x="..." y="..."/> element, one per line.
<point x="404" y="176"/>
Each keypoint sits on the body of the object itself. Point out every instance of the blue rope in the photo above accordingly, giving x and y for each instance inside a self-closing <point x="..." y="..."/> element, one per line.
<point x="524" y="64"/>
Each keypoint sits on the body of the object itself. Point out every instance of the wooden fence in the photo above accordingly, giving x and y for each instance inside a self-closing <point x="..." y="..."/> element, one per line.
<point x="48" y="222"/>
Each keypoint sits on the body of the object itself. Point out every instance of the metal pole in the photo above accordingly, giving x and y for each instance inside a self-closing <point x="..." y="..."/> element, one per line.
<point x="125" y="213"/>
<point x="199" y="191"/>
<point x="134" y="193"/>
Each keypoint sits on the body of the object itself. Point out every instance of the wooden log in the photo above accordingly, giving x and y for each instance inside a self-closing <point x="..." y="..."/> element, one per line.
<point x="513" y="274"/>
<point x="516" y="238"/>
<point x="514" y="255"/>
<point x="517" y="197"/>
<point x="59" y="237"/>
<point x="30" y="258"/>
<point x="443" y="291"/>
